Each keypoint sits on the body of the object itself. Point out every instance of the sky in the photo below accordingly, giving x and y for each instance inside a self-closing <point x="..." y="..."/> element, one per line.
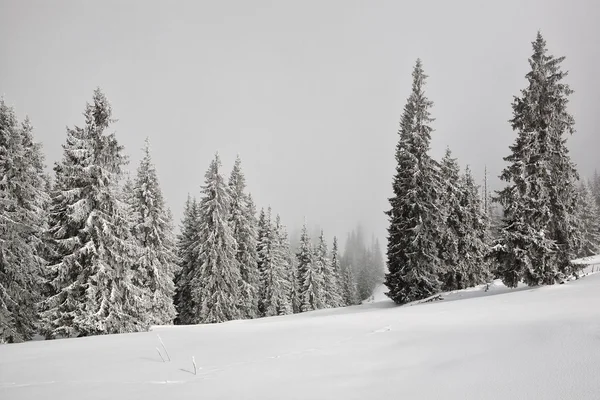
<point x="308" y="93"/>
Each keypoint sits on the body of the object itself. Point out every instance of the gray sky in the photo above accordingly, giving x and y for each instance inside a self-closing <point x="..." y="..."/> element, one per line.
<point x="309" y="93"/>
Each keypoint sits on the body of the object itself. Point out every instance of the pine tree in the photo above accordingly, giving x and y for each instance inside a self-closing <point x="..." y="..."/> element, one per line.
<point x="589" y="219"/>
<point x="331" y="296"/>
<point x="93" y="271"/>
<point x="334" y="295"/>
<point x="244" y="226"/>
<point x="276" y="271"/>
<point x="472" y="244"/>
<point x="153" y="231"/>
<point x="454" y="227"/>
<point x="415" y="218"/>
<point x="538" y="236"/>
<point x="22" y="221"/>
<point x="215" y="285"/>
<point x="187" y="262"/>
<point x="309" y="275"/>
<point x="350" y="295"/>
<point x="595" y="186"/>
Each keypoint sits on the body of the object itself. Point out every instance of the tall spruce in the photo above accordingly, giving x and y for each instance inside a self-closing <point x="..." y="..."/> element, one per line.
<point x="244" y="227"/>
<point x="454" y="227"/>
<point x="538" y="233"/>
<point x="187" y="252"/>
<point x="153" y="230"/>
<point x="334" y="295"/>
<point x="275" y="298"/>
<point x="93" y="269"/>
<point x="22" y="222"/>
<point x="473" y="246"/>
<point x="349" y="292"/>
<point x="331" y="297"/>
<point x="309" y="275"/>
<point x="216" y="283"/>
<point x="589" y="219"/>
<point x="415" y="217"/>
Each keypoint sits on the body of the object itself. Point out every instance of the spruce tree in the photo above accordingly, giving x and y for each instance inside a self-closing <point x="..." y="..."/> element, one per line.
<point x="216" y="283"/>
<point x="277" y="273"/>
<point x="473" y="247"/>
<point x="93" y="269"/>
<point x="309" y="275"/>
<point x="244" y="227"/>
<point x="595" y="186"/>
<point x="153" y="231"/>
<point x="589" y="222"/>
<point x="331" y="296"/>
<point x="350" y="295"/>
<point x="22" y="221"/>
<point x="187" y="253"/>
<point x="334" y="295"/>
<point x="539" y="235"/>
<point x="454" y="227"/>
<point x="415" y="217"/>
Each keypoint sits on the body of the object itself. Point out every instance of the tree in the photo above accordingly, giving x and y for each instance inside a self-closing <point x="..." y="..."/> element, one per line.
<point x="22" y="222"/>
<point x="331" y="296"/>
<point x="415" y="218"/>
<point x="454" y="227"/>
<point x="244" y="227"/>
<point x="334" y="279"/>
<point x="595" y="186"/>
<point x="310" y="281"/>
<point x="472" y="244"/>
<point x="187" y="253"/>
<point x="589" y="219"/>
<point x="216" y="284"/>
<point x="539" y="235"/>
<point x="93" y="268"/>
<point x="350" y="295"/>
<point x="275" y="298"/>
<point x="153" y="231"/>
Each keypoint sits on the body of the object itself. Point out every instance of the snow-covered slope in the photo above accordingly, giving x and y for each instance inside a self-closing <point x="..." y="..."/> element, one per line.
<point x="540" y="343"/>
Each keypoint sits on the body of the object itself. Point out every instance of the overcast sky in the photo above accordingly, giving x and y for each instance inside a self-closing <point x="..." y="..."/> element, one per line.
<point x="309" y="93"/>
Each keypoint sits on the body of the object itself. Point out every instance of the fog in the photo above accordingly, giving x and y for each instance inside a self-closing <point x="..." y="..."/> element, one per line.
<point x="308" y="93"/>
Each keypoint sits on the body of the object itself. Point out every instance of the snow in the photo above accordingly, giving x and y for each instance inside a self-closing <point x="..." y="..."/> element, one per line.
<point x="524" y="343"/>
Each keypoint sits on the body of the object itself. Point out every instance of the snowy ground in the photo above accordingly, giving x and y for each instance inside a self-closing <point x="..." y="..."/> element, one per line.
<point x="541" y="343"/>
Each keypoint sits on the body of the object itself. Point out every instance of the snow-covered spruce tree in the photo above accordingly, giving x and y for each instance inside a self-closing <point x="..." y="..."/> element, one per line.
<point x="539" y="235"/>
<point x="349" y="294"/>
<point x="93" y="271"/>
<point x="153" y="230"/>
<point x="22" y="222"/>
<point x="310" y="279"/>
<point x="589" y="222"/>
<point x="595" y="186"/>
<point x="473" y="247"/>
<point x="294" y="280"/>
<point x="216" y="283"/>
<point x="274" y="274"/>
<point x="334" y="296"/>
<point x="276" y="277"/>
<point x="187" y="241"/>
<point x="454" y="226"/>
<point x="244" y="227"/>
<point x="331" y="296"/>
<point x="415" y="217"/>
<point x="264" y="254"/>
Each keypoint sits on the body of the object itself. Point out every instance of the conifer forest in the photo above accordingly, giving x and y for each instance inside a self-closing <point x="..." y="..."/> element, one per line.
<point x="89" y="246"/>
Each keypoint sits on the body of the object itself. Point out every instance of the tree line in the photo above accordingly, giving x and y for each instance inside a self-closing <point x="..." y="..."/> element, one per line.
<point x="444" y="236"/>
<point x="93" y="250"/>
